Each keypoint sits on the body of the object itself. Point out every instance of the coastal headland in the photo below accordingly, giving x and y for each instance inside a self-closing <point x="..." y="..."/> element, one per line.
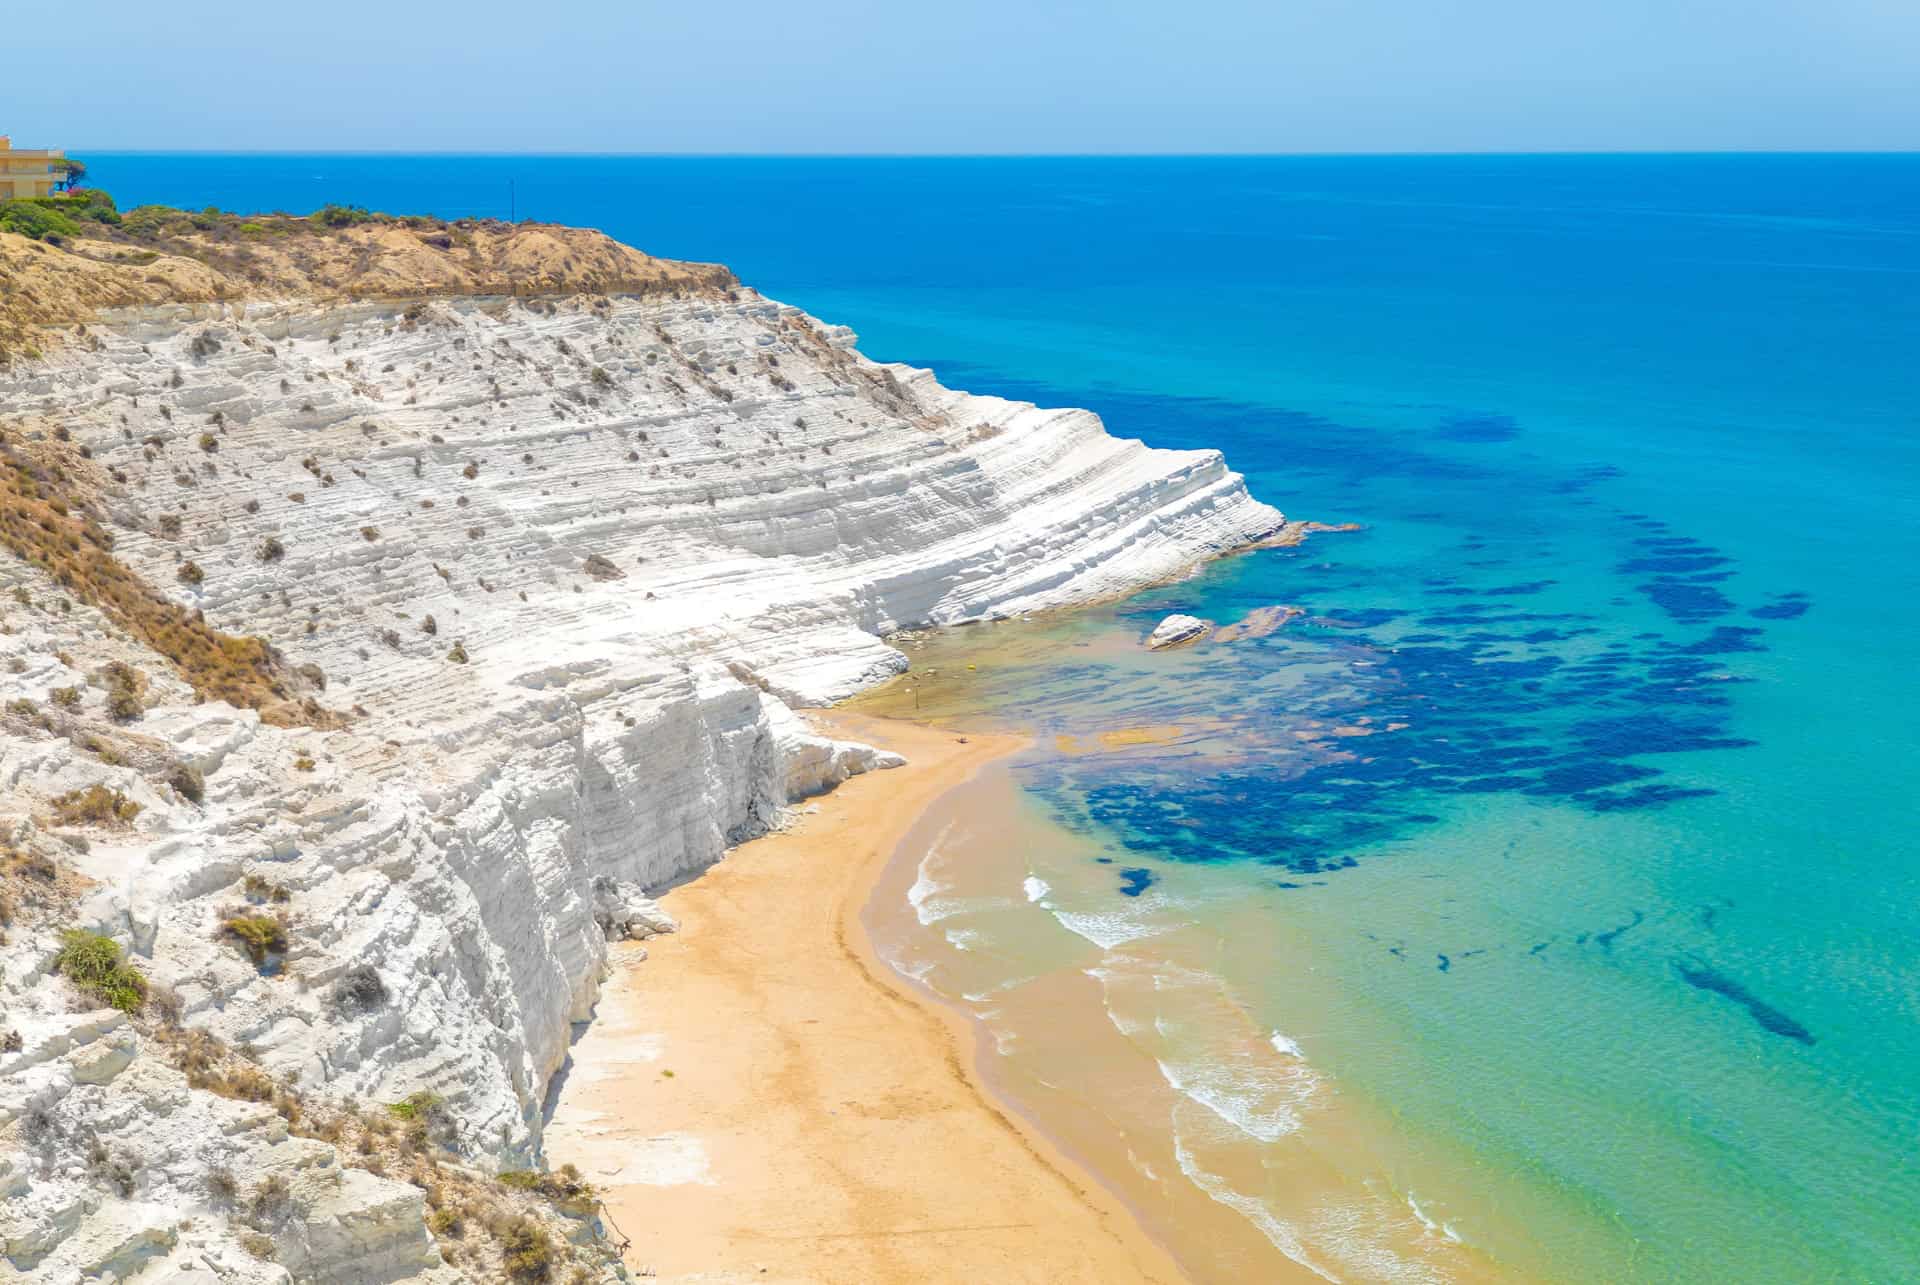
<point x="392" y="607"/>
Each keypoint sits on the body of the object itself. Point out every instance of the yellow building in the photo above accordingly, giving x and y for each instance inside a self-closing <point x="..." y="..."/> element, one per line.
<point x="30" y="172"/>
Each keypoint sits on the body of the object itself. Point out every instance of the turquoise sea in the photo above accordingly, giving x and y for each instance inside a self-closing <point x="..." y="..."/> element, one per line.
<point x="1562" y="847"/>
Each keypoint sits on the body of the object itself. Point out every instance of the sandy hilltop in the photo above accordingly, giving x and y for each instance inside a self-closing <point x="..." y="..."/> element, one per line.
<point x="387" y="610"/>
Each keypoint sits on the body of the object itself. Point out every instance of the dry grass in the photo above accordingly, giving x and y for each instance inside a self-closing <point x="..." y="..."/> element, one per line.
<point x="95" y="805"/>
<point x="173" y="256"/>
<point x="46" y="520"/>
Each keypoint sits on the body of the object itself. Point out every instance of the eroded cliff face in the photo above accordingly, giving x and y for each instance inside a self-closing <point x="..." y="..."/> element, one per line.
<point x="564" y="565"/>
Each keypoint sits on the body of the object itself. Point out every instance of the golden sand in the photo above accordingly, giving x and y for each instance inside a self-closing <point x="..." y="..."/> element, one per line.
<point x="763" y="1099"/>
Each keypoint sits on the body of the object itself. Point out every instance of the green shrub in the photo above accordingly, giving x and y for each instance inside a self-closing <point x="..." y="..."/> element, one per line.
<point x="344" y="216"/>
<point x="258" y="935"/>
<point x="91" y="204"/>
<point x="32" y="219"/>
<point x="416" y="1106"/>
<point x="98" y="966"/>
<point x="151" y="221"/>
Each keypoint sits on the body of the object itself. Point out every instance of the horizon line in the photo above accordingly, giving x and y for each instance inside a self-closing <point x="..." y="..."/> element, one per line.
<point x="998" y="156"/>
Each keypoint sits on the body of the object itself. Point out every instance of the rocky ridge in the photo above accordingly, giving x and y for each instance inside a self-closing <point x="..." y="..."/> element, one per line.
<point x="553" y="571"/>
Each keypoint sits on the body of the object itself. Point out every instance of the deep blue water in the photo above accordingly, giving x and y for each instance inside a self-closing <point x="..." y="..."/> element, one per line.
<point x="1636" y="441"/>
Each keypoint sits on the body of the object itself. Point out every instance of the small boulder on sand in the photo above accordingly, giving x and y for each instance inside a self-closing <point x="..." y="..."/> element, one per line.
<point x="1177" y="631"/>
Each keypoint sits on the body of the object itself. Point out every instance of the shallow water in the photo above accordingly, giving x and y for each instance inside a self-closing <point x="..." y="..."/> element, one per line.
<point x="1540" y="901"/>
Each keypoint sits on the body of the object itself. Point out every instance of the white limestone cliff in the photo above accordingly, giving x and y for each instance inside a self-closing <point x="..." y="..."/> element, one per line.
<point x="569" y="564"/>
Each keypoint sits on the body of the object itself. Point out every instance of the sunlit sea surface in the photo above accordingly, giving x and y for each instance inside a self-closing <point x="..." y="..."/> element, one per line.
<point x="1526" y="887"/>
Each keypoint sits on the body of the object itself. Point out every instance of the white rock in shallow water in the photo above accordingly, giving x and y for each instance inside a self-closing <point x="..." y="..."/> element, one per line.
<point x="1177" y="630"/>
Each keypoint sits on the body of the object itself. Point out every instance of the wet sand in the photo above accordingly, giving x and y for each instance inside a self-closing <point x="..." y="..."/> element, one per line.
<point x="764" y="1099"/>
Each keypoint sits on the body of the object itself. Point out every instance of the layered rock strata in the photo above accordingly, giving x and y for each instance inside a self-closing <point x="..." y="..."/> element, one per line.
<point x="556" y="571"/>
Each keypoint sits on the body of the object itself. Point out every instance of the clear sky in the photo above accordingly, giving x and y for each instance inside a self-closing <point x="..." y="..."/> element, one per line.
<point x="845" y="76"/>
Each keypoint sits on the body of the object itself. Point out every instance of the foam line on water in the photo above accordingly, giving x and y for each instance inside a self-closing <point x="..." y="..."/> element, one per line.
<point x="1281" y="1235"/>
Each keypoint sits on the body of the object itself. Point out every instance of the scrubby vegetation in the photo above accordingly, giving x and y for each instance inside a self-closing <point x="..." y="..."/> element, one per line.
<point x="57" y="219"/>
<point x="569" y="1192"/>
<point x="124" y="684"/>
<point x="44" y="520"/>
<point x="94" y="805"/>
<point x="359" y="989"/>
<point x="97" y="966"/>
<point x="526" y="1251"/>
<point x="416" y="1106"/>
<point x="261" y="936"/>
<point x="259" y="888"/>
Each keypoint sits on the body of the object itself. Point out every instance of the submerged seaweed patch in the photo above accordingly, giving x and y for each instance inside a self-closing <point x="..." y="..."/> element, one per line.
<point x="1770" y="1018"/>
<point x="1464" y="675"/>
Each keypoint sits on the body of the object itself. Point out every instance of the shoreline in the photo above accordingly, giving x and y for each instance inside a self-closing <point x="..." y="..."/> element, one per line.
<point x="753" y="1107"/>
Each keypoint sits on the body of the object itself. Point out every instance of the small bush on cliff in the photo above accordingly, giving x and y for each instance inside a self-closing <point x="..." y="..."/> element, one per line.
<point x="569" y="1192"/>
<point x="258" y="935"/>
<point x="98" y="966"/>
<point x="123" y="691"/>
<point x="271" y="1204"/>
<point x="526" y="1251"/>
<point x="259" y="888"/>
<point x="95" y="805"/>
<point x="359" y="989"/>
<point x="220" y="1184"/>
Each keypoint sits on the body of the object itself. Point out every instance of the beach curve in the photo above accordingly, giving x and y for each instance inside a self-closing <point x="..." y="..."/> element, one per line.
<point x="755" y="1107"/>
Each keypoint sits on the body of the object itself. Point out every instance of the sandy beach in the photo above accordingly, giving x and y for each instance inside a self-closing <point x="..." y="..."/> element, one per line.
<point x="761" y="1098"/>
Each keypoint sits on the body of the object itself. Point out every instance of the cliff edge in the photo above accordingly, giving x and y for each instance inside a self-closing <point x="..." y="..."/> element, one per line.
<point x="387" y="610"/>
